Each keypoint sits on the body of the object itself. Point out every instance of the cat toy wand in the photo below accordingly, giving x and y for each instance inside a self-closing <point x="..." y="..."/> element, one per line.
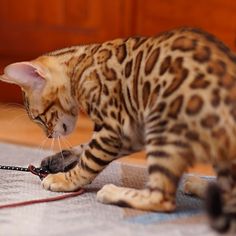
<point x="41" y="173"/>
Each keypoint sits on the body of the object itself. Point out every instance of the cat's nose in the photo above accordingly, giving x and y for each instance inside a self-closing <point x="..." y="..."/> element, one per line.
<point x="54" y="134"/>
<point x="64" y="127"/>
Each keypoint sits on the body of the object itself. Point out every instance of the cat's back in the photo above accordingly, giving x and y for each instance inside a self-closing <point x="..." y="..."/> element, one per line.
<point x="183" y="82"/>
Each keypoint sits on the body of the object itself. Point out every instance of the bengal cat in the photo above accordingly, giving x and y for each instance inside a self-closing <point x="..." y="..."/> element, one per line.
<point x="173" y="95"/>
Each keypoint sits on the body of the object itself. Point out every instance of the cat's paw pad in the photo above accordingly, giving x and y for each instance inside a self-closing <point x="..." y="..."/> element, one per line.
<point x="108" y="194"/>
<point x="56" y="183"/>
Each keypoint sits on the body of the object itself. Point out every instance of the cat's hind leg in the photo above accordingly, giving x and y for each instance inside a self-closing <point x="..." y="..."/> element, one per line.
<point x="167" y="160"/>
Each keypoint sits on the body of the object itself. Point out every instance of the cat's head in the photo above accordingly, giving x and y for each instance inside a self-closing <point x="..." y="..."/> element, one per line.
<point x="47" y="94"/>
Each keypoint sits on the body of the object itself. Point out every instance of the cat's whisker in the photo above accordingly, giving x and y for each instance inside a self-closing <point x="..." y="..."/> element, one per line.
<point x="66" y="141"/>
<point x="13" y="106"/>
<point x="41" y="146"/>
<point x="7" y="108"/>
<point x="21" y="116"/>
<point x="52" y="144"/>
<point x="59" y="144"/>
<point x="11" y="109"/>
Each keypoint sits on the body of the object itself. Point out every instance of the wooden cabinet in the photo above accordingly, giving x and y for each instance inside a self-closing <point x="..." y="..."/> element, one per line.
<point x="215" y="16"/>
<point x="29" y="28"/>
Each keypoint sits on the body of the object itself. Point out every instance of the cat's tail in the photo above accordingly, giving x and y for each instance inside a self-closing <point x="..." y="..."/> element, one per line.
<point x="222" y="218"/>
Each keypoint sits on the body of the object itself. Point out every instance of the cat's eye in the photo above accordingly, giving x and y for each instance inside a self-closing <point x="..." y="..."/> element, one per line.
<point x="38" y="119"/>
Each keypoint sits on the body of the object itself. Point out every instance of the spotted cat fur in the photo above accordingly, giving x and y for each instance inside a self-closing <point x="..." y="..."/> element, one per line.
<point x="173" y="95"/>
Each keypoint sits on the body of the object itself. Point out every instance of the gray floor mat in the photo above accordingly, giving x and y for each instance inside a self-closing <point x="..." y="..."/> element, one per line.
<point x="83" y="215"/>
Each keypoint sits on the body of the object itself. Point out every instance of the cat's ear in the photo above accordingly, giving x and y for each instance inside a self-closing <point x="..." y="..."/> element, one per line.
<point x="25" y="74"/>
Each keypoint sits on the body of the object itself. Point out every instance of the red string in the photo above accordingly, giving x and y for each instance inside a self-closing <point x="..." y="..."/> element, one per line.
<point x="43" y="200"/>
<point x="42" y="174"/>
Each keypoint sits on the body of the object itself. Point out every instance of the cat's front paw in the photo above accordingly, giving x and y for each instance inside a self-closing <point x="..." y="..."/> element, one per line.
<point x="58" y="183"/>
<point x="60" y="162"/>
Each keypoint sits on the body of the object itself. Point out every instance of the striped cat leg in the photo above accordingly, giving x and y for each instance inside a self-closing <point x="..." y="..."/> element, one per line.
<point x="166" y="165"/>
<point x="168" y="158"/>
<point x="101" y="150"/>
<point x="66" y="159"/>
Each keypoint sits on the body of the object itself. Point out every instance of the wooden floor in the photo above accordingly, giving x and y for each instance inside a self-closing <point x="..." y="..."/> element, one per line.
<point x="15" y="127"/>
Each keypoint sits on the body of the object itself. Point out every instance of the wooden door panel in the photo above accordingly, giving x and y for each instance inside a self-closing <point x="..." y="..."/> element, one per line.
<point x="29" y="28"/>
<point x="215" y="16"/>
<point x="18" y="13"/>
<point x="30" y="32"/>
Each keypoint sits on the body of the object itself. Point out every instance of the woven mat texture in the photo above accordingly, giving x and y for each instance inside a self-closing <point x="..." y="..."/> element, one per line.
<point x="83" y="215"/>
